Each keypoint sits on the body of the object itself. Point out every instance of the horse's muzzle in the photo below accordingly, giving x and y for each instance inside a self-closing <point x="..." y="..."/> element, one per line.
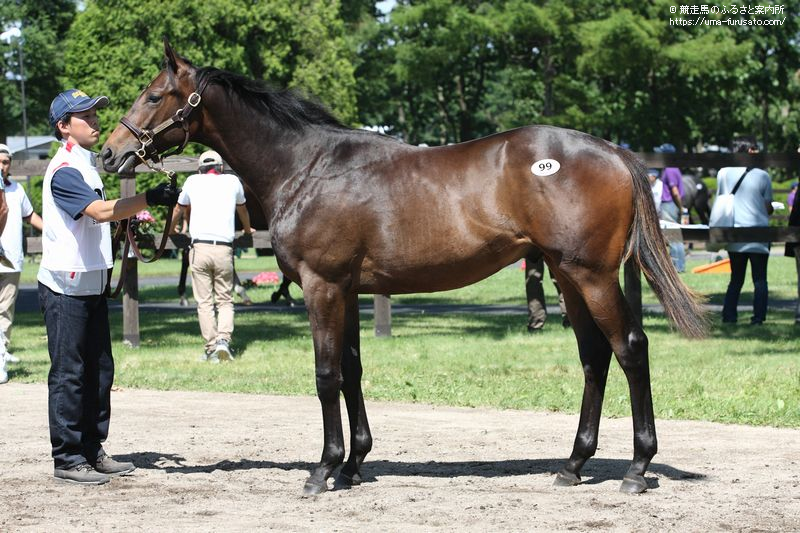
<point x="123" y="165"/>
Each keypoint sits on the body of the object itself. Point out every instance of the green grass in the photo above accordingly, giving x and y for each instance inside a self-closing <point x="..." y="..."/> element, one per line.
<point x="738" y="375"/>
<point x="162" y="267"/>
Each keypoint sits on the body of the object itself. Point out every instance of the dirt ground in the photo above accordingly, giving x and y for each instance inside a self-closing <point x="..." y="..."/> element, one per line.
<point x="235" y="462"/>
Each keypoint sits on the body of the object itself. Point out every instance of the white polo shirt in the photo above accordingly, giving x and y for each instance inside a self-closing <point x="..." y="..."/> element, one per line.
<point x="213" y="198"/>
<point x="19" y="207"/>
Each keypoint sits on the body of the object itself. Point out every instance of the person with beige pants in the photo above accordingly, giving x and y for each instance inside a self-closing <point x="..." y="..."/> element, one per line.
<point x="19" y="209"/>
<point x="210" y="199"/>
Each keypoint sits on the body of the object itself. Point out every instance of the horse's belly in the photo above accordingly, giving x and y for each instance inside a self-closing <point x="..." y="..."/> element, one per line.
<point x="411" y="275"/>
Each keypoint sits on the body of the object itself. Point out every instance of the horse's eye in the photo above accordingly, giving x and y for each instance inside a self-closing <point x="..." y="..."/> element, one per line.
<point x="154" y="98"/>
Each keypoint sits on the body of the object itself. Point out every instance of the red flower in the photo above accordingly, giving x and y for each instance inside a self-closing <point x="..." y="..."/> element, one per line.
<point x="267" y="278"/>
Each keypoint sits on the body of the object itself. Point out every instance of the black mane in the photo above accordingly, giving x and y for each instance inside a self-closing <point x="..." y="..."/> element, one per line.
<point x="285" y="106"/>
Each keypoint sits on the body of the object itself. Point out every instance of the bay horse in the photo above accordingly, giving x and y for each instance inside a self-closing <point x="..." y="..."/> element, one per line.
<point x="353" y="212"/>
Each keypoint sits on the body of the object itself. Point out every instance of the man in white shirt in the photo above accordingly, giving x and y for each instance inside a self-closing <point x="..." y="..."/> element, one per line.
<point x="3" y="259"/>
<point x="19" y="209"/>
<point x="211" y="198"/>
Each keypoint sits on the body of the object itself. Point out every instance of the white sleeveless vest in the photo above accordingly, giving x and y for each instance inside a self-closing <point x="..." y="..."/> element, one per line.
<point x="69" y="245"/>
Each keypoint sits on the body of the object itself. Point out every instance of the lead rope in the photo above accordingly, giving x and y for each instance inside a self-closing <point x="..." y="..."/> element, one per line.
<point x="125" y="232"/>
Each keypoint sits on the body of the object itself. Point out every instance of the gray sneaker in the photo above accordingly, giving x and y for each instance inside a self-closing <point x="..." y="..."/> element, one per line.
<point x="3" y="373"/>
<point x="223" y="350"/>
<point x="207" y="354"/>
<point x="107" y="465"/>
<point x="82" y="474"/>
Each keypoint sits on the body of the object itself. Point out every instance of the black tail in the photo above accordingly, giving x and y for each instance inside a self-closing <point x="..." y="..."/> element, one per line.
<point x="648" y="248"/>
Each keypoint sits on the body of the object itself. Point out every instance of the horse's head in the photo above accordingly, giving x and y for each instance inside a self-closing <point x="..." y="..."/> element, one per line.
<point x="159" y="119"/>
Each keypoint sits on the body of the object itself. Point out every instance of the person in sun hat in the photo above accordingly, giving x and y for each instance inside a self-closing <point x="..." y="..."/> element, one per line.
<point x="210" y="198"/>
<point x="73" y="275"/>
<point x="19" y="210"/>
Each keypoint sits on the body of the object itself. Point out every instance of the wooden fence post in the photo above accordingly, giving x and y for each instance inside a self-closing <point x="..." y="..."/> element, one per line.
<point x="383" y="315"/>
<point x="130" y="297"/>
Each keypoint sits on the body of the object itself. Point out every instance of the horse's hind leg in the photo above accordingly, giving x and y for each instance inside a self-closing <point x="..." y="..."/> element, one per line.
<point x="326" y="312"/>
<point x="611" y="313"/>
<point x="595" y="354"/>
<point x="360" y="437"/>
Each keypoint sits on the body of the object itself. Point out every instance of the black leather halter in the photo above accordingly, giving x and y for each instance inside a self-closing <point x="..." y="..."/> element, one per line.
<point x="148" y="151"/>
<point x="147" y="137"/>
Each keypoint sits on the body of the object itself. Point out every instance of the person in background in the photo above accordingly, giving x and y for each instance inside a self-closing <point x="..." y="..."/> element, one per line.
<point x="212" y="199"/>
<point x="182" y="226"/>
<point x="19" y="210"/>
<point x="656" y="187"/>
<point x="671" y="206"/>
<point x="3" y="261"/>
<point x="537" y="308"/>
<point x="752" y="208"/>
<point x="793" y="249"/>
<point x="791" y="197"/>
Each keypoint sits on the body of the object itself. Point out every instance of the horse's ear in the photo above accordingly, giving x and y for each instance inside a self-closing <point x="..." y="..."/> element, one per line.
<point x="171" y="56"/>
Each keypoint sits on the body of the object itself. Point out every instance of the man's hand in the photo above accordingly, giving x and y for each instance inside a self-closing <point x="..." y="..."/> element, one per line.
<point x="162" y="194"/>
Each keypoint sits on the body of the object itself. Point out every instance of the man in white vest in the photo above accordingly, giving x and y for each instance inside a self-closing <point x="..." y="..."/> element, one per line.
<point x="19" y="210"/>
<point x="76" y="256"/>
<point x="211" y="198"/>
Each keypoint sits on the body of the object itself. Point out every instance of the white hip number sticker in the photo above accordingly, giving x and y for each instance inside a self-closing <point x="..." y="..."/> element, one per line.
<point x="545" y="167"/>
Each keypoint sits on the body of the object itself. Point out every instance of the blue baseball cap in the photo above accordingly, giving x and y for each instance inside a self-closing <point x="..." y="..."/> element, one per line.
<point x="73" y="101"/>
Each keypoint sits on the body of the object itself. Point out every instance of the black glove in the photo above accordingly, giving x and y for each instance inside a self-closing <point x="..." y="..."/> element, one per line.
<point x="163" y="194"/>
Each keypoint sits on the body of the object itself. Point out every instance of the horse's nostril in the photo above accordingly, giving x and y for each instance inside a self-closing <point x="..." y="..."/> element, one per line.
<point x="107" y="154"/>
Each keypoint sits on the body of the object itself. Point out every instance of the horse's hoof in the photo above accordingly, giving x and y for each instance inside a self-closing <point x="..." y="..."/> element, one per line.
<point x="343" y="481"/>
<point x="633" y="485"/>
<point x="314" y="488"/>
<point x="566" y="479"/>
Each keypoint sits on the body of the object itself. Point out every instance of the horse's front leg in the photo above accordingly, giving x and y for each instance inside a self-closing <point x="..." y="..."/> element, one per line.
<point x="326" y="304"/>
<point x="360" y="436"/>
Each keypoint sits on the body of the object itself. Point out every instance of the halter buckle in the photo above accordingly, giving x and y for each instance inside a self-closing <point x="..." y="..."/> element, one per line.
<point x="146" y="138"/>
<point x="194" y="99"/>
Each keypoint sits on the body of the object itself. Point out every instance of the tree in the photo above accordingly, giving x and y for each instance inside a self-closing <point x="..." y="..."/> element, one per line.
<point x="115" y="47"/>
<point x="449" y="70"/>
<point x="42" y="23"/>
<point x="439" y="54"/>
<point x="771" y="80"/>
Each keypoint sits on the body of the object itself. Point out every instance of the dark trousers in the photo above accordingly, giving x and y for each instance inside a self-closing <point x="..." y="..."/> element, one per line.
<point x="534" y="272"/>
<point x="758" y="264"/>
<point x="81" y="375"/>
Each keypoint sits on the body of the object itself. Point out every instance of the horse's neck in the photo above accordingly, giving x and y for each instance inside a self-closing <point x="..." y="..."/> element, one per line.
<point x="262" y="153"/>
